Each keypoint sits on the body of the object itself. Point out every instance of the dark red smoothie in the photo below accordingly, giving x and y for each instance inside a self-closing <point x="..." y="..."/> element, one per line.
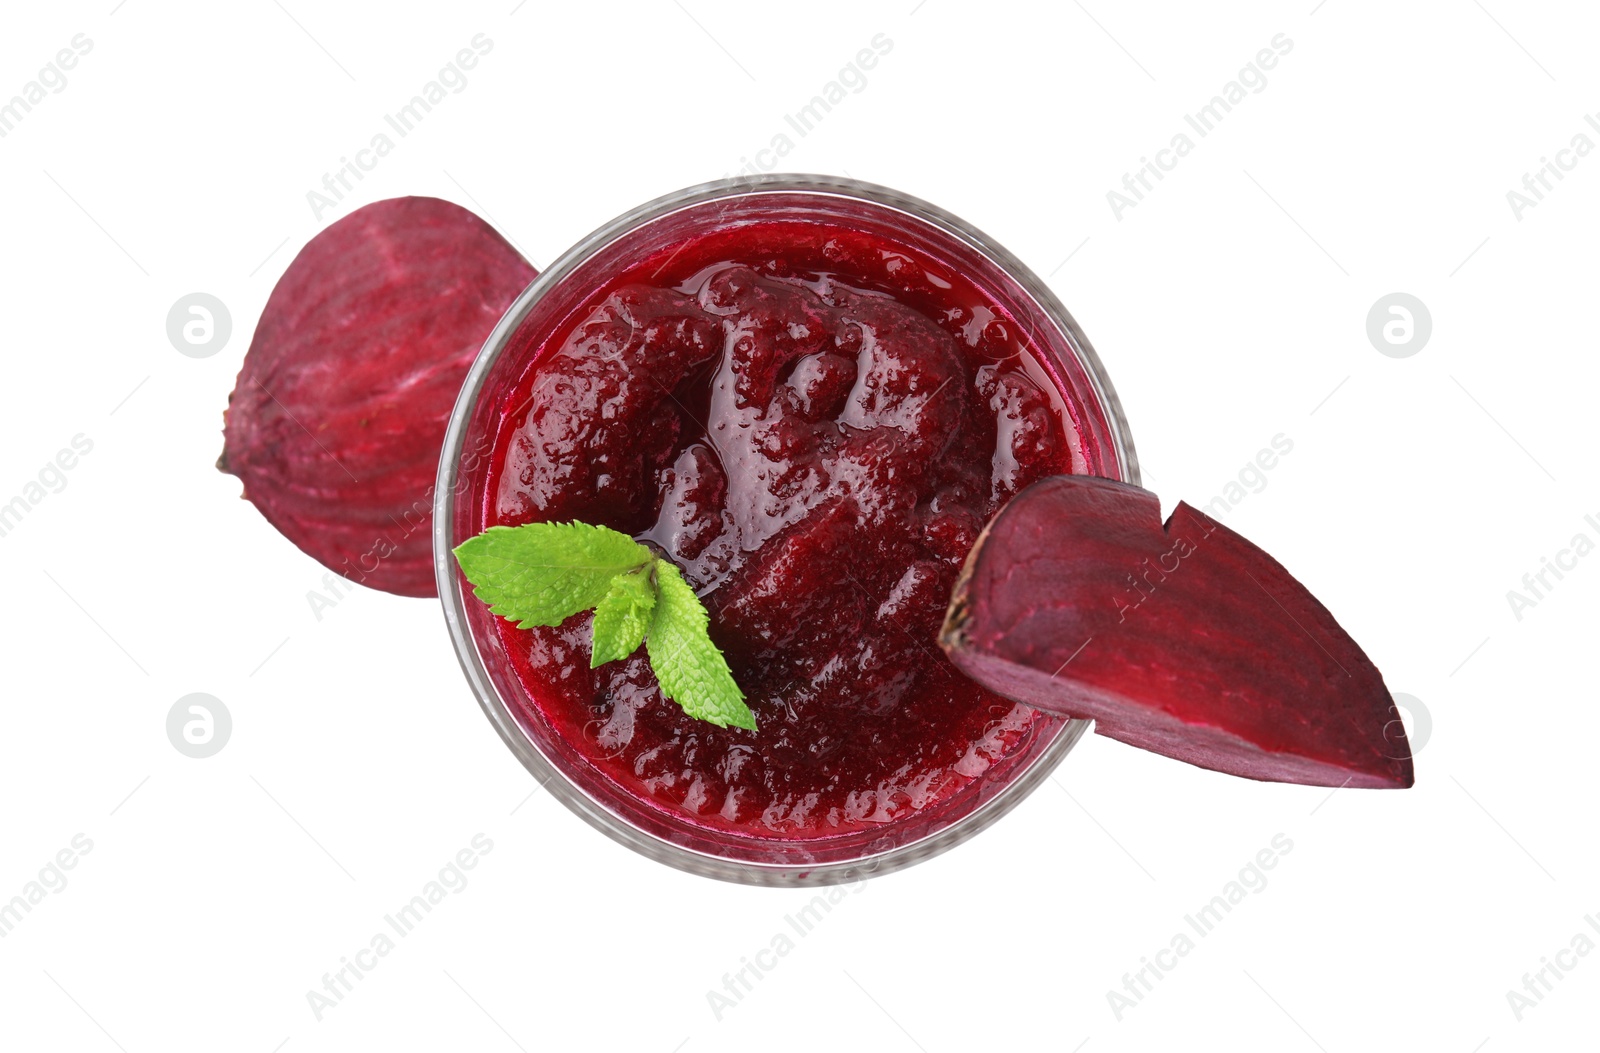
<point x="815" y="424"/>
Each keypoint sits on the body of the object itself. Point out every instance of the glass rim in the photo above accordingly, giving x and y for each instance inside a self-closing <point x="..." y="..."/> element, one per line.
<point x="453" y="597"/>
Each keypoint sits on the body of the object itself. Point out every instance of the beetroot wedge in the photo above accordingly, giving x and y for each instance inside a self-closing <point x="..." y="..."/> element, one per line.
<point x="337" y="421"/>
<point x="1183" y="639"/>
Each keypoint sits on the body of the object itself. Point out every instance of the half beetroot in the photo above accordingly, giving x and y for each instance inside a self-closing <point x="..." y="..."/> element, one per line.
<point x="337" y="420"/>
<point x="1184" y="639"/>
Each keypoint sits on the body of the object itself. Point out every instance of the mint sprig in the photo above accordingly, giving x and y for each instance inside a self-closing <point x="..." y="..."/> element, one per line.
<point x="687" y="664"/>
<point x="624" y="615"/>
<point x="544" y="573"/>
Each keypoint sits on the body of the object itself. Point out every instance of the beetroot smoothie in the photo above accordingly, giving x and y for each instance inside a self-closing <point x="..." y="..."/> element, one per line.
<point x="814" y="423"/>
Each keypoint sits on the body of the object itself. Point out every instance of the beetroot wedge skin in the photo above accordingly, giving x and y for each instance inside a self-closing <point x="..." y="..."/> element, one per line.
<point x="338" y="417"/>
<point x="1184" y="639"/>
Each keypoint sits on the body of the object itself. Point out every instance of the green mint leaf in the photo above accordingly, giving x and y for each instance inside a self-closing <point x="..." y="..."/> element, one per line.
<point x="544" y="573"/>
<point x="688" y="666"/>
<point x="623" y="616"/>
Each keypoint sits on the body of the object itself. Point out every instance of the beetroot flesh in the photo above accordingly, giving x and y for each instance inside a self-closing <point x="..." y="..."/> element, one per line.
<point x="337" y="420"/>
<point x="1183" y="639"/>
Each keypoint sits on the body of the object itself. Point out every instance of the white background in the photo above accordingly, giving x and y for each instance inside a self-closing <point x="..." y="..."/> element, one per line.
<point x="1229" y="306"/>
